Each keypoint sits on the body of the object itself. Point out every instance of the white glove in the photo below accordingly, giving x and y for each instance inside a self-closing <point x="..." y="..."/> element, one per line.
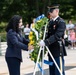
<point x="41" y="43"/>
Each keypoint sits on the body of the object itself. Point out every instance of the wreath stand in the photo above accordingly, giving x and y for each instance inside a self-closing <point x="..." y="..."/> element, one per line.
<point x="42" y="49"/>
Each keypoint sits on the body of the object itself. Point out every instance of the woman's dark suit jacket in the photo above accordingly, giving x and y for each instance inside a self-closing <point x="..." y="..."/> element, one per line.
<point x="15" y="43"/>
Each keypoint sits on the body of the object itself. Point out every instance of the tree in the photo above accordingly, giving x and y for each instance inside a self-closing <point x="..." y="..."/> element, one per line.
<point x="29" y="9"/>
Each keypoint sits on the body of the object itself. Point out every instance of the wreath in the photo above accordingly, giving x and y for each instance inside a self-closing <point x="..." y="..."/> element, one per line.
<point x="36" y="35"/>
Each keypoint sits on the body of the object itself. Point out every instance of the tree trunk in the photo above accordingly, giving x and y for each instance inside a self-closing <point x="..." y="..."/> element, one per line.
<point x="37" y="7"/>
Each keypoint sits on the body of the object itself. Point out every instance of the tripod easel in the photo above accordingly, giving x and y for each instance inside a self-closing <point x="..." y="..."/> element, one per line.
<point x="42" y="49"/>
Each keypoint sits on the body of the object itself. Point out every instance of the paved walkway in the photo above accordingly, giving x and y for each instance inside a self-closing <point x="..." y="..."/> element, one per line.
<point x="27" y="66"/>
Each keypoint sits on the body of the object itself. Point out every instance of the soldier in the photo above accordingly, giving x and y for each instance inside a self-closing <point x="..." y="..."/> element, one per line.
<point x="55" y="34"/>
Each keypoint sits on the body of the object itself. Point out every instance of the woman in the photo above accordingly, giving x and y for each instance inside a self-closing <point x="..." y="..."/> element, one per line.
<point x="27" y="31"/>
<point x="15" y="43"/>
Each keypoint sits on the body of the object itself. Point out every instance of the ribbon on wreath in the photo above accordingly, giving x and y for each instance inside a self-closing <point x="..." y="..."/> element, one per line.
<point x="46" y="62"/>
<point x="39" y="17"/>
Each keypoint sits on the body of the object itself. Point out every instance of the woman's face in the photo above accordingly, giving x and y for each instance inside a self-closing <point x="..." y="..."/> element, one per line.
<point x="20" y="23"/>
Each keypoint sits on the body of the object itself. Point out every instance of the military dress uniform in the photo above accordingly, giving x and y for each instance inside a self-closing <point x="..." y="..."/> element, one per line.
<point x="55" y="34"/>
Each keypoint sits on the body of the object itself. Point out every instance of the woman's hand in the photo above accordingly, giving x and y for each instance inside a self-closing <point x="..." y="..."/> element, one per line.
<point x="30" y="47"/>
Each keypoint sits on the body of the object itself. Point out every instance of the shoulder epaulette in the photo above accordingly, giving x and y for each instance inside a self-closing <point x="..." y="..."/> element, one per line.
<point x="61" y="20"/>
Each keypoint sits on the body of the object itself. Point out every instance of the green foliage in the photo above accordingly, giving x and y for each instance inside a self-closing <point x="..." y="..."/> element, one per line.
<point x="2" y="31"/>
<point x="40" y="23"/>
<point x="29" y="9"/>
<point x="32" y="8"/>
<point x="3" y="37"/>
<point x="38" y="26"/>
<point x="2" y="26"/>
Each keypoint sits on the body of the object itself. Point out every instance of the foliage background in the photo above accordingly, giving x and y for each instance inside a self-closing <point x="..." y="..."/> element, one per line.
<point x="29" y="9"/>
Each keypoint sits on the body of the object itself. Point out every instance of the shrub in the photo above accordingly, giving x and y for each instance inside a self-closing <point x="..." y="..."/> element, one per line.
<point x="3" y="37"/>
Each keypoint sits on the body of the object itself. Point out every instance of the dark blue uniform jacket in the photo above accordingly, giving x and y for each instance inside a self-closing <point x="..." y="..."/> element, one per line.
<point x="55" y="33"/>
